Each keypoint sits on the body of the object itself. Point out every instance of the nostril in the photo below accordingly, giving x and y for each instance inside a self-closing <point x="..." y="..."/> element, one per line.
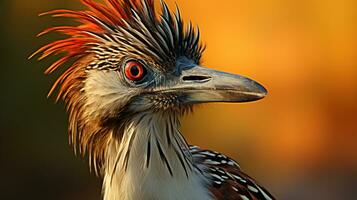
<point x="196" y="78"/>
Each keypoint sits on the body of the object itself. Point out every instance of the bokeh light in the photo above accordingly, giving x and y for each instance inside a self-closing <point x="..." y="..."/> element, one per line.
<point x="300" y="142"/>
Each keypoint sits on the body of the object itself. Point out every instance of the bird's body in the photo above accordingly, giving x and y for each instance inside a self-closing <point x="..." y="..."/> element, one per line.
<point x="135" y="74"/>
<point x="157" y="168"/>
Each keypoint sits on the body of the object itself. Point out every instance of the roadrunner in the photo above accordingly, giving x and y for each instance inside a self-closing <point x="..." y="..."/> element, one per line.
<point x="135" y="70"/>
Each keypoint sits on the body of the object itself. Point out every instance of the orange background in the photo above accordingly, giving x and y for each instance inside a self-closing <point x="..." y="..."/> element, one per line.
<point x="300" y="142"/>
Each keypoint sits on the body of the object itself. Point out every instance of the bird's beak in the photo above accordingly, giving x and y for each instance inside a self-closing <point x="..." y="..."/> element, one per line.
<point x="198" y="84"/>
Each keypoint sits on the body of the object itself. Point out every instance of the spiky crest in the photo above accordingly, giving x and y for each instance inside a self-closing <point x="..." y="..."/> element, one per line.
<point x="132" y="23"/>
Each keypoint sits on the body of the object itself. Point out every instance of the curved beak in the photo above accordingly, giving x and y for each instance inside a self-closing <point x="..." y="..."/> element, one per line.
<point x="198" y="84"/>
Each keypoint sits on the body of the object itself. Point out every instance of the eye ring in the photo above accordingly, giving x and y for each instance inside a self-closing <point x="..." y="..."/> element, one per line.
<point x="134" y="71"/>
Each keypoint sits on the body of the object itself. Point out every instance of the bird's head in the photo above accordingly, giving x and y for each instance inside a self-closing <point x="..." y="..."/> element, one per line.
<point x="128" y="59"/>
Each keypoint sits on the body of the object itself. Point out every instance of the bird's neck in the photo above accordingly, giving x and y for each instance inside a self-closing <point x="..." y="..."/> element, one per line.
<point x="151" y="161"/>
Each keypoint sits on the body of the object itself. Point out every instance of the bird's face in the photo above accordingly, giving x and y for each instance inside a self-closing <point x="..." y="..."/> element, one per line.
<point x="137" y="85"/>
<point x="131" y="59"/>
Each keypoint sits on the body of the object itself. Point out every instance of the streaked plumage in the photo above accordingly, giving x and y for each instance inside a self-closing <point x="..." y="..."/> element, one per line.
<point x="229" y="182"/>
<point x="134" y="74"/>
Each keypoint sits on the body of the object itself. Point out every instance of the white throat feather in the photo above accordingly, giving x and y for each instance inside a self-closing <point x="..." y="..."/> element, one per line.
<point x="152" y="161"/>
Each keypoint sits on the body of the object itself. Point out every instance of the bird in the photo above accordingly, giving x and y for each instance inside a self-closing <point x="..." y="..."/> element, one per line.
<point x="131" y="70"/>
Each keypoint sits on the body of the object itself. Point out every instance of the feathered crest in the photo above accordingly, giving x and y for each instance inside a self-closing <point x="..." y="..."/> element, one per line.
<point x="133" y="24"/>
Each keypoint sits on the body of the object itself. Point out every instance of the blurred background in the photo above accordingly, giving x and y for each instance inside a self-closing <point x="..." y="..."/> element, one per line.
<point x="300" y="142"/>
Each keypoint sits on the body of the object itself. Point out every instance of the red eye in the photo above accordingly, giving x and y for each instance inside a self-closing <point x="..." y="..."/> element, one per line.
<point x="134" y="71"/>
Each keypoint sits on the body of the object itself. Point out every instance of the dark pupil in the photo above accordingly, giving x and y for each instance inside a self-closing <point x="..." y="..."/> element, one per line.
<point x="134" y="70"/>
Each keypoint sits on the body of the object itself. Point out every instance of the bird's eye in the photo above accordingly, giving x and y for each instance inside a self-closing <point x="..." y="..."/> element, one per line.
<point x="134" y="71"/>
